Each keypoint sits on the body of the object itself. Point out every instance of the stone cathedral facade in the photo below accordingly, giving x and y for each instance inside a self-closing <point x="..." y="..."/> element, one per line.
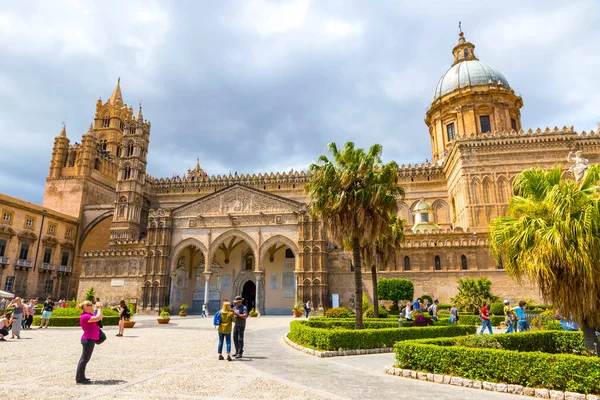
<point x="199" y="239"/>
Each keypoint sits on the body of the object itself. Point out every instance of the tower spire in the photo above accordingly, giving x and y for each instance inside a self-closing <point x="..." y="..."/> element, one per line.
<point x="63" y="132"/>
<point x="140" y="117"/>
<point x="116" y="97"/>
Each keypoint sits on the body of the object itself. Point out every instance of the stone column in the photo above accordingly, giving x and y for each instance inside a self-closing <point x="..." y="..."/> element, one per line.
<point x="259" y="306"/>
<point x="296" y="276"/>
<point x="206" y="286"/>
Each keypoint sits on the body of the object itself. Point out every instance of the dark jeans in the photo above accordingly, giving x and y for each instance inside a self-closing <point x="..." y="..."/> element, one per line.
<point x="29" y="321"/>
<point x="86" y="354"/>
<point x="238" y="338"/>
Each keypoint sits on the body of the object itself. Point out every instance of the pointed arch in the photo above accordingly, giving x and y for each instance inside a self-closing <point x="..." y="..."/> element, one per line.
<point x="475" y="190"/>
<point x="488" y="191"/>
<point x="231" y="233"/>
<point x="182" y="245"/>
<point x="441" y="211"/>
<point x="404" y="212"/>
<point x="504" y="190"/>
<point x="283" y="240"/>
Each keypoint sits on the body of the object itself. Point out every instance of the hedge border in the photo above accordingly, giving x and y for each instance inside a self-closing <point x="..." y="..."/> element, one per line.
<point x="326" y="354"/>
<point x="346" y="339"/>
<point x="488" y="386"/>
<point x="559" y="372"/>
<point x="73" y="321"/>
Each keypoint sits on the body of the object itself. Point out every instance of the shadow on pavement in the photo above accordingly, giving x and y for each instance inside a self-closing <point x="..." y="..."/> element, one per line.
<point x="109" y="382"/>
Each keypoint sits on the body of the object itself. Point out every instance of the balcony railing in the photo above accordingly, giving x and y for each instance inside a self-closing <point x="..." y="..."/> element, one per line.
<point x="4" y="260"/>
<point x="64" y="268"/>
<point x="24" y="263"/>
<point x="47" y="267"/>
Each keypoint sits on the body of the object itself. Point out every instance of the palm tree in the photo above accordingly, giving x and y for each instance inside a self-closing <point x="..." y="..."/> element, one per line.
<point x="552" y="237"/>
<point x="383" y="251"/>
<point x="355" y="195"/>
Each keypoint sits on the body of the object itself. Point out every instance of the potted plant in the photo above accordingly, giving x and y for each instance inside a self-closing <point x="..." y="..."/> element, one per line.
<point x="298" y="309"/>
<point x="165" y="315"/>
<point x="183" y="309"/>
<point x="253" y="313"/>
<point x="129" y="322"/>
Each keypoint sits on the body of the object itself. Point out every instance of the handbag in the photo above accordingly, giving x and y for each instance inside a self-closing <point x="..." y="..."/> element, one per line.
<point x="102" y="337"/>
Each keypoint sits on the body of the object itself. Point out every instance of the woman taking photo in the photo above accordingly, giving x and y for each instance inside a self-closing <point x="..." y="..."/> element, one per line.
<point x="124" y="314"/>
<point x="91" y="333"/>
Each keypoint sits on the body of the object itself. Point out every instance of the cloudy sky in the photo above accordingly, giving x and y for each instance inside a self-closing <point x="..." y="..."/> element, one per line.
<point x="260" y="86"/>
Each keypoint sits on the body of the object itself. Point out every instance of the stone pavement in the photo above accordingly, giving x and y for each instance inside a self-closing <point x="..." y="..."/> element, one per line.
<point x="179" y="361"/>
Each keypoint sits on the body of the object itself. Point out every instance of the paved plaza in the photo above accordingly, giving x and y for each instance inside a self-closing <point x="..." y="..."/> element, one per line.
<point x="179" y="361"/>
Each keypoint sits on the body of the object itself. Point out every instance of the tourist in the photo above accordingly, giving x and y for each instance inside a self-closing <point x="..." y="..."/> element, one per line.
<point x="454" y="315"/>
<point x="97" y="305"/>
<point x="225" y="329"/>
<point x="63" y="303"/>
<point x="406" y="311"/>
<point x="426" y="305"/>
<point x="5" y="321"/>
<point x="17" y="317"/>
<point x="485" y="319"/>
<point x="91" y="333"/>
<point x="434" y="309"/>
<point x="510" y="316"/>
<point x="416" y="304"/>
<point x="241" y="313"/>
<point x="203" y="315"/>
<point x="30" y="311"/>
<point x="522" y="324"/>
<point x="47" y="312"/>
<point x="307" y="308"/>
<point x="123" y="315"/>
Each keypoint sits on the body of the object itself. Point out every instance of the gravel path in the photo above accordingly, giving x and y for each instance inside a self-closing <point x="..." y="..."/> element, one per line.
<point x="179" y="361"/>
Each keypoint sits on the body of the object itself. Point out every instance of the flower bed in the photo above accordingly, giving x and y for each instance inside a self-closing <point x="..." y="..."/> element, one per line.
<point x="73" y="321"/>
<point x="531" y="359"/>
<point x="336" y="339"/>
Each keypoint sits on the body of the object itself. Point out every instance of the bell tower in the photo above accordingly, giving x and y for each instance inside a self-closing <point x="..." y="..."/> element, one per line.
<point x="129" y="219"/>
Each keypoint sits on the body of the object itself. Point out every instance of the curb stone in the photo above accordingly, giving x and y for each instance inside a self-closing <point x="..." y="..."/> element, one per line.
<point x="336" y="353"/>
<point x="491" y="386"/>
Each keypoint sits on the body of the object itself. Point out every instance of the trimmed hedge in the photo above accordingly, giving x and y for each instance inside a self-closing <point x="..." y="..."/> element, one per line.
<point x="73" y="321"/>
<point x="531" y="369"/>
<point x="335" y="339"/>
<point x="350" y="323"/>
<point x="544" y="341"/>
<point x="466" y="319"/>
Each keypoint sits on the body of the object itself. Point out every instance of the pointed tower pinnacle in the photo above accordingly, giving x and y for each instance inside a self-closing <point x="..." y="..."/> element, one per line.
<point x="140" y="117"/>
<point x="63" y="133"/>
<point x="90" y="129"/>
<point x="116" y="97"/>
<point x="197" y="168"/>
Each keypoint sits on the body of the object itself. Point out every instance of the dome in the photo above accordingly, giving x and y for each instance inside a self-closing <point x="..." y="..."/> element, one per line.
<point x="468" y="73"/>
<point x="422" y="205"/>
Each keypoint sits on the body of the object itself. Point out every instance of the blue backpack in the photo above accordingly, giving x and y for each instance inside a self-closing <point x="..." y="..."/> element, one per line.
<point x="217" y="319"/>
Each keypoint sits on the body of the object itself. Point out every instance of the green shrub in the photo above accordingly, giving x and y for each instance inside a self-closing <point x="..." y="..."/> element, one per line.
<point x="395" y="289"/>
<point x="473" y="292"/>
<point x="544" y="319"/>
<point x="74" y="321"/>
<point x="335" y="339"/>
<point x="527" y="368"/>
<point x="365" y="301"/>
<point x="76" y="312"/>
<point x="71" y="303"/>
<point x="327" y="323"/>
<point x="339" y="312"/>
<point x="90" y="295"/>
<point x="428" y="297"/>
<point x="370" y="312"/>
<point x="443" y="306"/>
<point x="497" y="308"/>
<point x="480" y="341"/>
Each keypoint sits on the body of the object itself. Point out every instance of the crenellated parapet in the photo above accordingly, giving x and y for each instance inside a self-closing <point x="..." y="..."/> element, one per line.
<point x="191" y="183"/>
<point x="140" y="252"/>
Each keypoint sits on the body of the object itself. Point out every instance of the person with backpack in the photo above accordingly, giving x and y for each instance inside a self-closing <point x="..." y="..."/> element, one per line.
<point x="123" y="314"/>
<point x="223" y="320"/>
<point x="433" y="310"/>
<point x="454" y="315"/>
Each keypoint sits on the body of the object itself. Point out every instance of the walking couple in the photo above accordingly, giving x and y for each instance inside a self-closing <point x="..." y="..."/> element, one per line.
<point x="224" y="320"/>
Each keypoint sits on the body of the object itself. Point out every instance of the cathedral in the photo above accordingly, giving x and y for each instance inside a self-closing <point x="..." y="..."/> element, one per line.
<point x="199" y="239"/>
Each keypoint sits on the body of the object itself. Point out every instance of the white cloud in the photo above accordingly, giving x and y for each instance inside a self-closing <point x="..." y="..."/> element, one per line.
<point x="337" y="28"/>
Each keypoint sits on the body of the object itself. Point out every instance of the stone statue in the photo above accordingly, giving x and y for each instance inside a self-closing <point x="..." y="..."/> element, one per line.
<point x="581" y="165"/>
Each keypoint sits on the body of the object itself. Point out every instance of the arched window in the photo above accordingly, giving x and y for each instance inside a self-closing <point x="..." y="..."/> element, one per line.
<point x="127" y="172"/>
<point x="129" y="149"/>
<point x="407" y="263"/>
<point x="118" y="151"/>
<point x="154" y="296"/>
<point x="463" y="262"/>
<point x="105" y="122"/>
<point x="475" y="191"/>
<point x="438" y="263"/>
<point x="97" y="164"/>
<point x="122" y="206"/>
<point x="289" y="253"/>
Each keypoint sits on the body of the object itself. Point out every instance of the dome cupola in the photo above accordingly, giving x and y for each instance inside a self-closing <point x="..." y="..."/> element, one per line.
<point x="470" y="99"/>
